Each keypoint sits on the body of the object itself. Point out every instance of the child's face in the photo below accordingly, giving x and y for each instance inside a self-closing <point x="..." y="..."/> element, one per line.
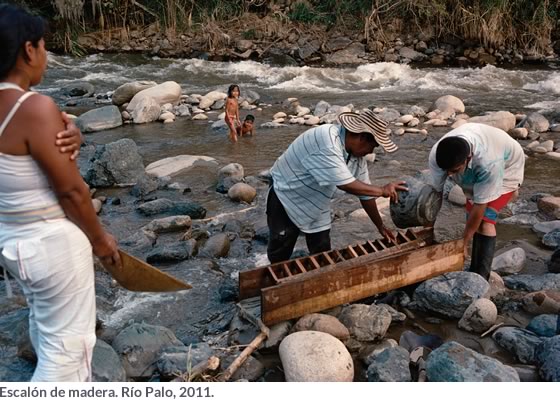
<point x="235" y="92"/>
<point x="248" y="124"/>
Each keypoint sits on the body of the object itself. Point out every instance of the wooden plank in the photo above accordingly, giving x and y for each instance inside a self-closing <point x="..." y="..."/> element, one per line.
<point x="287" y="269"/>
<point x="319" y="290"/>
<point x="372" y="245"/>
<point x="300" y="266"/>
<point x="271" y="273"/>
<point x="314" y="261"/>
<point x="352" y="251"/>
<point x="326" y="255"/>
<point x="364" y="251"/>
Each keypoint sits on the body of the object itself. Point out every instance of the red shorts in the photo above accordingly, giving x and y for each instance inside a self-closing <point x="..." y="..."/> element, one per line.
<point x="492" y="208"/>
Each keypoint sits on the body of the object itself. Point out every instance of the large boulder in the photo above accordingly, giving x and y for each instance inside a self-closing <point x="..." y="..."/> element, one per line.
<point x="353" y="54"/>
<point x="242" y="192"/>
<point x="519" y="342"/>
<point x="533" y="283"/>
<point x="322" y="323"/>
<point x="104" y="118"/>
<point x="216" y="246"/>
<point x="479" y="316"/>
<point x="449" y="104"/>
<point x="501" y="120"/>
<point x="311" y="356"/>
<point x="390" y="365"/>
<point x="171" y="166"/>
<point x="512" y="261"/>
<point x="210" y="98"/>
<point x="548" y="359"/>
<point x="117" y="163"/>
<point x="452" y="362"/>
<point x="228" y="176"/>
<point x="550" y="206"/>
<point x="170" y="208"/>
<point x="366" y="323"/>
<point x="542" y="228"/>
<point x="168" y="92"/>
<point x="106" y="365"/>
<point x="139" y="346"/>
<point x="79" y="89"/>
<point x="172" y="252"/>
<point x="537" y="123"/>
<point x="450" y="294"/>
<point x="552" y="239"/>
<point x="169" y="224"/>
<point x="146" y="110"/>
<point x="411" y="54"/>
<point x="127" y="91"/>
<point x="545" y="326"/>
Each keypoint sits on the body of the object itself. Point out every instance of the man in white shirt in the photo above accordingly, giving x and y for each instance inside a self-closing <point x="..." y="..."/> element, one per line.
<point x="306" y="176"/>
<point x="489" y="165"/>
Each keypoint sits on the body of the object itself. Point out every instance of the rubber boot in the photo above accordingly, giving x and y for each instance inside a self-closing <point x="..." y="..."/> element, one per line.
<point x="481" y="262"/>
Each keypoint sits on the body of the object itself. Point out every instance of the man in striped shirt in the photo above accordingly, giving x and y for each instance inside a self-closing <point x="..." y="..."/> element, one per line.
<point x="306" y="176"/>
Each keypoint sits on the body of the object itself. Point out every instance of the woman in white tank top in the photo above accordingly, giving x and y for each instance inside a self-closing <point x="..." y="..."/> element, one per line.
<point x="48" y="227"/>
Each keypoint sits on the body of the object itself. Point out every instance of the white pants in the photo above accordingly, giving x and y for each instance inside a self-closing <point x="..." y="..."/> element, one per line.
<point x="53" y="263"/>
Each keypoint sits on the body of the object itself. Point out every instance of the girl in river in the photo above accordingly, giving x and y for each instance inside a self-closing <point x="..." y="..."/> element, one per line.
<point x="48" y="227"/>
<point x="232" y="111"/>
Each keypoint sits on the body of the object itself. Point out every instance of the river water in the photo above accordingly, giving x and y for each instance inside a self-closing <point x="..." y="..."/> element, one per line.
<point x="519" y="90"/>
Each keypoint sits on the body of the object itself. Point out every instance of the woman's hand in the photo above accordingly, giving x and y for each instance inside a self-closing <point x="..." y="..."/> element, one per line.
<point x="70" y="139"/>
<point x="107" y="250"/>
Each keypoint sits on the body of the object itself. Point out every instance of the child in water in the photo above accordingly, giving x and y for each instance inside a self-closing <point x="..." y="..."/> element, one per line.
<point x="246" y="129"/>
<point x="232" y="111"/>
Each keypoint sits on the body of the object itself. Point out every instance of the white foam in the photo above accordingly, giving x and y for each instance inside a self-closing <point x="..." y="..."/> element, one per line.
<point x="549" y="85"/>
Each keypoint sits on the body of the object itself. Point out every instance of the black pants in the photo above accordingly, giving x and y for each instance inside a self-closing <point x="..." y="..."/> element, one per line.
<point x="284" y="233"/>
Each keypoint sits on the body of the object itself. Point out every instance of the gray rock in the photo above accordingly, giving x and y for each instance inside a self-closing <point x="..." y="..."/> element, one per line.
<point x="124" y="93"/>
<point x="145" y="185"/>
<point x="250" y="96"/>
<point x="548" y="359"/>
<point x="396" y="316"/>
<point x="173" y="252"/>
<point x="146" y="110"/>
<point x="411" y="54"/>
<point x="533" y="283"/>
<point x="216" y="246"/>
<point x="527" y="373"/>
<point x="169" y="224"/>
<point x="139" y="346"/>
<point x="479" y="316"/>
<point x="410" y="341"/>
<point x="308" y="49"/>
<point x="242" y="192"/>
<point x="501" y="120"/>
<point x="14" y="327"/>
<point x="391" y="365"/>
<point x="448" y="104"/>
<point x="521" y="220"/>
<point x="456" y="196"/>
<point x="366" y="323"/>
<point x="251" y="370"/>
<point x="544" y="325"/>
<point x="321" y="108"/>
<point x="272" y="125"/>
<point x="453" y="362"/>
<point x="276" y="334"/>
<point x="415" y="111"/>
<point x="104" y="118"/>
<point x="542" y="302"/>
<point x="554" y="262"/>
<point x="537" y="122"/>
<point x="106" y="365"/>
<point x="311" y="356"/>
<point x="183" y="110"/>
<point x="389" y="115"/>
<point x="177" y="360"/>
<point x="368" y="352"/>
<point x="450" y="294"/>
<point x="228" y="176"/>
<point x="543" y="228"/>
<point x="219" y="125"/>
<point x="14" y="369"/>
<point x="79" y="89"/>
<point x="519" y="342"/>
<point x="140" y="241"/>
<point x="322" y="323"/>
<point x="512" y="261"/>
<point x="170" y="208"/>
<point x="552" y="239"/>
<point x="337" y="43"/>
<point x="117" y="163"/>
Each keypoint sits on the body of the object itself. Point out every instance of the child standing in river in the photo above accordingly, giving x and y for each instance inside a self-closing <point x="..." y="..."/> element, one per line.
<point x="232" y="111"/>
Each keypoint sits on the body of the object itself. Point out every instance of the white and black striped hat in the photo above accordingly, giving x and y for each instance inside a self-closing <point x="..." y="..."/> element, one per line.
<point x="369" y="122"/>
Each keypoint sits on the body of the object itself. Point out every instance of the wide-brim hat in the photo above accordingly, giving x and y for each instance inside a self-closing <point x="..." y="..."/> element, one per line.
<point x="369" y="122"/>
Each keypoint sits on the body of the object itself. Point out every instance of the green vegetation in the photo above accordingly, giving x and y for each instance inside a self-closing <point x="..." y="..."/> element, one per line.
<point x="525" y="24"/>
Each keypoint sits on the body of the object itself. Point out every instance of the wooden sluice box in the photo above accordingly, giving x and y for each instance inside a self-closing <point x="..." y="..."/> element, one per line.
<point x="296" y="287"/>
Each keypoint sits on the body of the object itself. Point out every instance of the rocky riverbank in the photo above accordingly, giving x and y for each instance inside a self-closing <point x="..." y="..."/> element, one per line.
<point x="433" y="334"/>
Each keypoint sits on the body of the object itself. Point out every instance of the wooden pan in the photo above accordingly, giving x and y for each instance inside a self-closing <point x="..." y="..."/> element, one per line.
<point x="140" y="276"/>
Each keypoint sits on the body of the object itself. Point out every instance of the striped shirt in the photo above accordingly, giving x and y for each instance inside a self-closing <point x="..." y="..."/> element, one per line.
<point x="306" y="176"/>
<point x="496" y="167"/>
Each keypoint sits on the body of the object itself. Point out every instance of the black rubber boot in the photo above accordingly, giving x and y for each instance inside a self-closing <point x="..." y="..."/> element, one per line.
<point x="481" y="261"/>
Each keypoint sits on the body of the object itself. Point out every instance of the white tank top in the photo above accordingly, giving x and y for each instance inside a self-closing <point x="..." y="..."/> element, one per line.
<point x="25" y="192"/>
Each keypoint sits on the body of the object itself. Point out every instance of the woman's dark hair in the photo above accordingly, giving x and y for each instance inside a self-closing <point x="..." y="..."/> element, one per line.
<point x="451" y="152"/>
<point x="231" y="88"/>
<point x="17" y="27"/>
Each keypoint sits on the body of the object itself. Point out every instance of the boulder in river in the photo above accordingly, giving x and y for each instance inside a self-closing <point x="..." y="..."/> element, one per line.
<point x="536" y="122"/>
<point x="171" y="208"/>
<point x="479" y="316"/>
<point x="366" y="323"/>
<point x="519" y="342"/>
<point x="106" y="365"/>
<point x="146" y="110"/>
<point x="548" y="359"/>
<point x="452" y="362"/>
<point x="449" y="104"/>
<point x="242" y="192"/>
<point x="450" y="294"/>
<point x="311" y="356"/>
<point x="171" y="166"/>
<point x="172" y="252"/>
<point x="550" y="206"/>
<point x="533" y="283"/>
<point x="228" y="176"/>
<point x="117" y="163"/>
<point x="501" y="120"/>
<point x="167" y="92"/>
<point x="124" y="93"/>
<point x="322" y="323"/>
<point x="217" y="246"/>
<point x="509" y="262"/>
<point x="390" y="365"/>
<point x="545" y="326"/>
<point x="104" y="118"/>
<point x="139" y="346"/>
